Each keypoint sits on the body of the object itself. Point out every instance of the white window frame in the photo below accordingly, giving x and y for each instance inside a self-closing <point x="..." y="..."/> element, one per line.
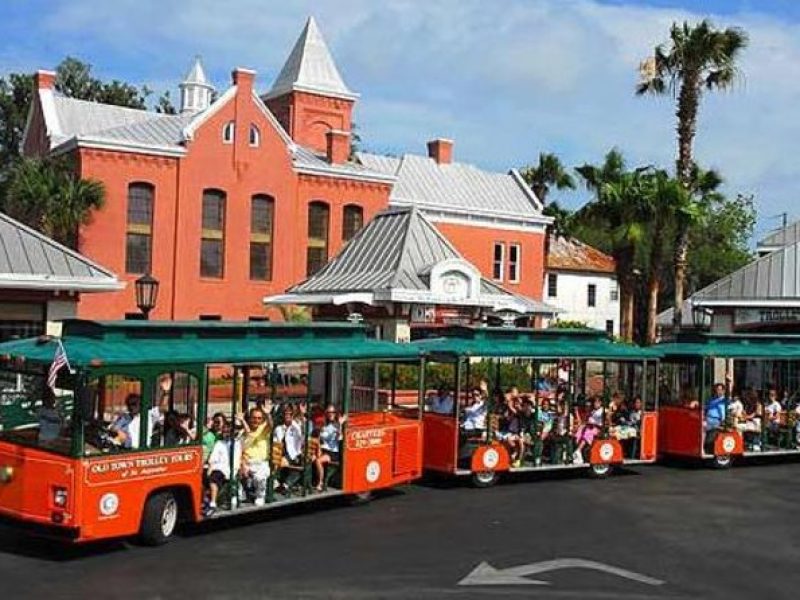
<point x="257" y="137"/>
<point x="228" y="132"/>
<point x="613" y="295"/>
<point x="514" y="266"/>
<point x="502" y="262"/>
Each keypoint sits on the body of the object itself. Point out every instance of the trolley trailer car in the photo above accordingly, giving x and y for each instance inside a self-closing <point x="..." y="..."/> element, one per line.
<point x="559" y="386"/>
<point x="755" y="409"/>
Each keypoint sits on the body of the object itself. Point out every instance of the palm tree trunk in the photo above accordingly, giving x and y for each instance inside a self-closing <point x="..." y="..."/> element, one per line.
<point x="654" y="282"/>
<point x="688" y="100"/>
<point x="625" y="277"/>
<point x="681" y="255"/>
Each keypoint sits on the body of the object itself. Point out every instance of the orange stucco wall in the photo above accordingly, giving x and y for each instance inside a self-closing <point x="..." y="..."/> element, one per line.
<point x="476" y="244"/>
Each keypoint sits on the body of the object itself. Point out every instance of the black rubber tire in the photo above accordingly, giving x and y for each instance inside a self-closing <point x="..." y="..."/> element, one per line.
<point x="722" y="461"/>
<point x="159" y="519"/>
<point x="360" y="498"/>
<point x="485" y="479"/>
<point x="600" y="471"/>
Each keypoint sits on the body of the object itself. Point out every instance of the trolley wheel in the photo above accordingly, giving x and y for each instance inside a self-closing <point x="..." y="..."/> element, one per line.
<point x="484" y="479"/>
<point x="722" y="461"/>
<point x="159" y="518"/>
<point x="361" y="498"/>
<point x="600" y="470"/>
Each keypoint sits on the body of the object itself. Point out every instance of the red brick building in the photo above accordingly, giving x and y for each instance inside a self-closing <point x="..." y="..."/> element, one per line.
<point x="240" y="198"/>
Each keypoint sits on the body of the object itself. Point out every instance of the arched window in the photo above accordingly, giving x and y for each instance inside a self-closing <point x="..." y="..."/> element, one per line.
<point x="262" y="217"/>
<point x="352" y="221"/>
<point x="255" y="136"/>
<point x="139" y="231"/>
<point x="212" y="242"/>
<point x="228" y="131"/>
<point x="317" y="253"/>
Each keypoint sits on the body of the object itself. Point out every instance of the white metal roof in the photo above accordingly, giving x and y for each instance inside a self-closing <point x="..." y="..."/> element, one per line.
<point x="458" y="187"/>
<point x="31" y="260"/>
<point x="310" y="68"/>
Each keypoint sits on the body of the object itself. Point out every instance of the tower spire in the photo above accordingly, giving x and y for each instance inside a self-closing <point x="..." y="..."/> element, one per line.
<point x="195" y="88"/>
<point x="311" y="68"/>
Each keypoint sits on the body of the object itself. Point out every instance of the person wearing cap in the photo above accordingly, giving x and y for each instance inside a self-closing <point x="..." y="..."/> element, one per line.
<point x="125" y="428"/>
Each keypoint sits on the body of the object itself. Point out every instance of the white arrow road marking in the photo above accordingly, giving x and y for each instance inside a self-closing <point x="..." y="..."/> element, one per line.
<point x="486" y="574"/>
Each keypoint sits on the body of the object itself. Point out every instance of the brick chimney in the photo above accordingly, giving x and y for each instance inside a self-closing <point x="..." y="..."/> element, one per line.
<point x="441" y="150"/>
<point x="44" y="80"/>
<point x="338" y="146"/>
<point x="243" y="78"/>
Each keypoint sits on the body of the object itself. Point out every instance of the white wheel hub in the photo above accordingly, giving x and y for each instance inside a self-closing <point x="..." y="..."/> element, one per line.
<point x="490" y="458"/>
<point x="169" y="517"/>
<point x="606" y="451"/>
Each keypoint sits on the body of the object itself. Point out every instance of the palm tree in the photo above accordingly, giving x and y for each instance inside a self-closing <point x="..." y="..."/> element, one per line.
<point x="699" y="58"/>
<point x="48" y="196"/>
<point x="547" y="174"/>
<point x="620" y="211"/>
<point x="664" y="196"/>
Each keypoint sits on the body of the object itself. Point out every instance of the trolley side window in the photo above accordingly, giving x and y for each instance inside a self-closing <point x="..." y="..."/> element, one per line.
<point x="34" y="414"/>
<point x="113" y="420"/>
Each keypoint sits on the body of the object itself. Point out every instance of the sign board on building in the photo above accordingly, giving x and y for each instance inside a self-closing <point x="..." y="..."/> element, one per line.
<point x="766" y="316"/>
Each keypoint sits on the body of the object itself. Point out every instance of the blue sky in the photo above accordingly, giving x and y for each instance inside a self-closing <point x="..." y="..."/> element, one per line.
<point x="505" y="79"/>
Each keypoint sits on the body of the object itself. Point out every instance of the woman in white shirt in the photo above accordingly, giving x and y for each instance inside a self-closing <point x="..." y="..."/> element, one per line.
<point x="330" y="434"/>
<point x="475" y="412"/>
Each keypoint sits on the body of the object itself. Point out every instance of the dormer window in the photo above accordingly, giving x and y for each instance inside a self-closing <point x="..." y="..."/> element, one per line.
<point x="227" y="132"/>
<point x="255" y="136"/>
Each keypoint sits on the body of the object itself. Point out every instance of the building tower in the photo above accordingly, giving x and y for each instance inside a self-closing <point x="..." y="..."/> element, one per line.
<point x="309" y="96"/>
<point x="196" y="90"/>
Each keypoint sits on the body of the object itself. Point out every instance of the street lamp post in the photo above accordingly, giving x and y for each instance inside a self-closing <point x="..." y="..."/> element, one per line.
<point x="146" y="294"/>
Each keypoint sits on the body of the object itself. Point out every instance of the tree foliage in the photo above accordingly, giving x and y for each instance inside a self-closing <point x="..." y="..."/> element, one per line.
<point x="48" y="196"/>
<point x="548" y="173"/>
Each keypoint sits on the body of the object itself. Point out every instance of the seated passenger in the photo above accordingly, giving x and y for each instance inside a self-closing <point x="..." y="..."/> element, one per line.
<point x="589" y="430"/>
<point x="441" y="403"/>
<point x="218" y="467"/>
<point x="635" y="415"/>
<point x="330" y="434"/>
<point x="290" y="434"/>
<point x="545" y="419"/>
<point x="212" y="434"/>
<point x="49" y="417"/>
<point x="254" y="467"/>
<point x="475" y="412"/>
<point x="126" y="427"/>
<point x="622" y="426"/>
<point x="714" y="418"/>
<point x="510" y="431"/>
<point x="772" y="411"/>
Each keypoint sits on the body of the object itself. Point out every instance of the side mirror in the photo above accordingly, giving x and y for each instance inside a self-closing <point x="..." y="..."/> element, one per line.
<point x="86" y="403"/>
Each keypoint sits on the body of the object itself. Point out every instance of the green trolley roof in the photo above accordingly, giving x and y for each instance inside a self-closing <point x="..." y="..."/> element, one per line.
<point x="530" y="343"/>
<point x="108" y="343"/>
<point x="755" y="346"/>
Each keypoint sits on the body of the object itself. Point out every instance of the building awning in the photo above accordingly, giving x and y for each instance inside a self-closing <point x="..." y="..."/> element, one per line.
<point x="29" y="260"/>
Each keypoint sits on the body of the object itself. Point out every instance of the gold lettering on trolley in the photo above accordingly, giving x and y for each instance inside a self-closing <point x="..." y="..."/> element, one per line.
<point x="366" y="438"/>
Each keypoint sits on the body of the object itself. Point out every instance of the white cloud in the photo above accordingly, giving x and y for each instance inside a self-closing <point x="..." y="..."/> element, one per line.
<point x="505" y="79"/>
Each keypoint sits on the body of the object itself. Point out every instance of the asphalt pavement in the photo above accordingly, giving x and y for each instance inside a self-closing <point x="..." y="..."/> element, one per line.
<point x="653" y="532"/>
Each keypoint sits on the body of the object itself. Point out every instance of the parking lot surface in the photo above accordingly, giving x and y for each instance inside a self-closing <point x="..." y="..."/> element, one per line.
<point x="653" y="532"/>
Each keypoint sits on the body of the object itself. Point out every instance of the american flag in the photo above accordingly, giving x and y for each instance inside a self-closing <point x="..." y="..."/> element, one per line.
<point x="59" y="360"/>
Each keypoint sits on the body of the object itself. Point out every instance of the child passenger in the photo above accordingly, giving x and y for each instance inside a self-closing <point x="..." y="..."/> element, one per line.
<point x="589" y="430"/>
<point x="218" y="470"/>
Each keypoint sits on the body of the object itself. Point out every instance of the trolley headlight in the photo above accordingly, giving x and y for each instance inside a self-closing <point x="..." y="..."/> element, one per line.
<point x="60" y="497"/>
<point x="6" y="473"/>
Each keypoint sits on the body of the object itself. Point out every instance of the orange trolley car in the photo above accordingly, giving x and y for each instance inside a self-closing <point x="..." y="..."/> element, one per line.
<point x="64" y="472"/>
<point x="556" y="372"/>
